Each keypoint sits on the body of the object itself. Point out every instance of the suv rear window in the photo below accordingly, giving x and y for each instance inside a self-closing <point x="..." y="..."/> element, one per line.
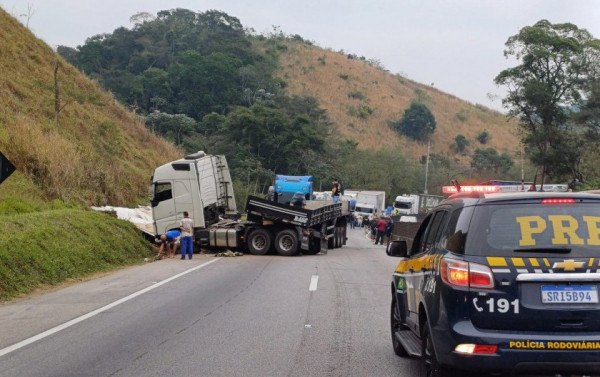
<point x="534" y="228"/>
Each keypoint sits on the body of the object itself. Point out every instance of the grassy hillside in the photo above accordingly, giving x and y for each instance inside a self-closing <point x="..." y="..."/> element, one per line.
<point x="49" y="247"/>
<point x="72" y="149"/>
<point x="93" y="152"/>
<point x="361" y="99"/>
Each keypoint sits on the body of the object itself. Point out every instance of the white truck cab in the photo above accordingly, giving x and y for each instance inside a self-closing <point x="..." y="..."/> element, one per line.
<point x="198" y="183"/>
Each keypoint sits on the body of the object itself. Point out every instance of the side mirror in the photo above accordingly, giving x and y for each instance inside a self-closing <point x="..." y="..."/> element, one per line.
<point x="154" y="202"/>
<point x="397" y="249"/>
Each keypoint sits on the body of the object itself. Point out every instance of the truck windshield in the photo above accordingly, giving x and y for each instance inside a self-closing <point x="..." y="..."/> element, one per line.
<point x="364" y="209"/>
<point x="402" y="205"/>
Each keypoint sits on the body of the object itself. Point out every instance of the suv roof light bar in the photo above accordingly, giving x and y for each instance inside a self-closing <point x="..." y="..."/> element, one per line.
<point x="449" y="190"/>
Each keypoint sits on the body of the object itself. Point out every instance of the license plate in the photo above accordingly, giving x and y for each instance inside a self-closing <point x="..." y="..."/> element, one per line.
<point x="569" y="294"/>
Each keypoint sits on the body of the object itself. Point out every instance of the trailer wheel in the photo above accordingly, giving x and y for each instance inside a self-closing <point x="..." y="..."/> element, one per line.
<point x="259" y="242"/>
<point x="331" y="241"/>
<point x="286" y="242"/>
<point x="314" y="247"/>
<point x="338" y="237"/>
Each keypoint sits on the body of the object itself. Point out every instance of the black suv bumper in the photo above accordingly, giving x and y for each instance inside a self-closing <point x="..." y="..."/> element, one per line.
<point x="519" y="351"/>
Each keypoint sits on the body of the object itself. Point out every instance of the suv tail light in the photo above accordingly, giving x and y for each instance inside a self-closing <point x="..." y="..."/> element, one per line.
<point x="476" y="349"/>
<point x="466" y="274"/>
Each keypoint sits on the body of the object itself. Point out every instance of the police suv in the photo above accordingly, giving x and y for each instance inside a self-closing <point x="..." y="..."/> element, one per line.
<point x="502" y="283"/>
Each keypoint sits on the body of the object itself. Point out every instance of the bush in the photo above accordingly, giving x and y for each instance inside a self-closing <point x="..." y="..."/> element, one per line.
<point x="357" y="94"/>
<point x="343" y="76"/>
<point x="461" y="116"/>
<point x="483" y="137"/>
<point x="460" y="143"/>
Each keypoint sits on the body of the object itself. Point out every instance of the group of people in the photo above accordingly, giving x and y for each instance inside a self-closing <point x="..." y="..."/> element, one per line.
<point x="175" y="237"/>
<point x="379" y="228"/>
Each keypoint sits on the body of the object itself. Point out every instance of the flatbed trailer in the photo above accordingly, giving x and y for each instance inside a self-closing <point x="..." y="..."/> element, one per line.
<point x="314" y="213"/>
<point x="318" y="226"/>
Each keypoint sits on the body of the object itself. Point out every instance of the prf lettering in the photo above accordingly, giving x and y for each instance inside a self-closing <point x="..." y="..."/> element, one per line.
<point x="564" y="229"/>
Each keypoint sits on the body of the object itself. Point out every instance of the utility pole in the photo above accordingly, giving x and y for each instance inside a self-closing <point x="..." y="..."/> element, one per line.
<point x="427" y="164"/>
<point x="520" y="153"/>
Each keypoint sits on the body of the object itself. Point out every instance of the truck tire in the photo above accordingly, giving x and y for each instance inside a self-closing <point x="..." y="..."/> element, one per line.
<point x="314" y="247"/>
<point x="331" y="240"/>
<point x="259" y="242"/>
<point x="338" y="237"/>
<point x="286" y="242"/>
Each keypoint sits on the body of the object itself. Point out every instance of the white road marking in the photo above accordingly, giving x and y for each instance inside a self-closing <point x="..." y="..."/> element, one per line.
<point x="313" y="283"/>
<point x="75" y="321"/>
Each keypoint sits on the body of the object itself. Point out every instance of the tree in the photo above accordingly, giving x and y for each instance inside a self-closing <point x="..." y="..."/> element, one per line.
<point x="556" y="63"/>
<point x="461" y="143"/>
<point x="417" y="122"/>
<point x="171" y="126"/>
<point x="489" y="161"/>
<point x="483" y="137"/>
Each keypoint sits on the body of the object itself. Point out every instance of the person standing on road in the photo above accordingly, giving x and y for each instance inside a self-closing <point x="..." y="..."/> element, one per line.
<point x="381" y="227"/>
<point x="187" y="244"/>
<point x="388" y="230"/>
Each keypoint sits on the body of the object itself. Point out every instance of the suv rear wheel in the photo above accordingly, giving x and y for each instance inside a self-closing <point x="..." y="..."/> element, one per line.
<point x="430" y="365"/>
<point x="396" y="326"/>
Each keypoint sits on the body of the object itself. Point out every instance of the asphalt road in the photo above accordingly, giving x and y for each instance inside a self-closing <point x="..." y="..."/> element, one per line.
<point x="322" y="315"/>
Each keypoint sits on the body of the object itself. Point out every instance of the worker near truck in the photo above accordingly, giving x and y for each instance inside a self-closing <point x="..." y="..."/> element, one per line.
<point x="336" y="191"/>
<point x="187" y="243"/>
<point x="168" y="243"/>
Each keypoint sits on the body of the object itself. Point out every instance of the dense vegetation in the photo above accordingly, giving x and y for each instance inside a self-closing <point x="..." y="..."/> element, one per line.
<point x="553" y="91"/>
<point x="204" y="82"/>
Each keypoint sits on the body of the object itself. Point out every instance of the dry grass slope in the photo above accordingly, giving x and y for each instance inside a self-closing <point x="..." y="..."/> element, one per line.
<point x="97" y="152"/>
<point x="351" y="88"/>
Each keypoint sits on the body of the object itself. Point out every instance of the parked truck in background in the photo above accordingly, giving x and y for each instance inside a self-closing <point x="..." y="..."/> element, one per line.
<point x="406" y="205"/>
<point x="370" y="203"/>
<point x="201" y="185"/>
<point x="414" y="204"/>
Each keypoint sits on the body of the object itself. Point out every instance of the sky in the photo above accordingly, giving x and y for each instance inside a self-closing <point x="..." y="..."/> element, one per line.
<point x="455" y="45"/>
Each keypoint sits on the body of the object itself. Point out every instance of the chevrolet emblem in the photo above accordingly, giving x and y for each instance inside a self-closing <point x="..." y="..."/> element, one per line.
<point x="568" y="265"/>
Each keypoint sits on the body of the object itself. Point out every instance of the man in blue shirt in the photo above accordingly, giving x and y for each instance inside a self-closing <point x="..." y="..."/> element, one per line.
<point x="169" y="241"/>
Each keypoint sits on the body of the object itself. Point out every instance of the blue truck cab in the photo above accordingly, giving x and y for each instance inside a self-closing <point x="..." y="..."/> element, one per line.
<point x="287" y="185"/>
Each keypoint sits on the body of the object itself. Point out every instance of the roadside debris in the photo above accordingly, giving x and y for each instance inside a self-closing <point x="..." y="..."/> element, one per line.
<point x="229" y="253"/>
